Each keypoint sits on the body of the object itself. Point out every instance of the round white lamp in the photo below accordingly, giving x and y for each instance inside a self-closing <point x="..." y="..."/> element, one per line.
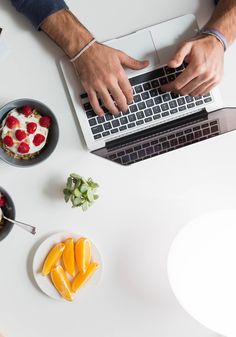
<point x="202" y="270"/>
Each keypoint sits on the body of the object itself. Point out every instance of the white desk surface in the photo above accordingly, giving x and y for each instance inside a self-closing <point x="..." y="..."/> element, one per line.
<point x="133" y="227"/>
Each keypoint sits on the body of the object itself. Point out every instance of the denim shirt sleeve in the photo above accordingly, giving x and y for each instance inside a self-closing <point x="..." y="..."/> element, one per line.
<point x="38" y="10"/>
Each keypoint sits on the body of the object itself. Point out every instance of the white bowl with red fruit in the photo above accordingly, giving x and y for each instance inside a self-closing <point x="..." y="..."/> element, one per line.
<point x="28" y="132"/>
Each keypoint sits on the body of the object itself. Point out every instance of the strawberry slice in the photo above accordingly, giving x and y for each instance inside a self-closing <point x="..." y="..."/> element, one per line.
<point x="27" y="110"/>
<point x="23" y="147"/>
<point x="8" y="141"/>
<point x="3" y="201"/>
<point x="31" y="127"/>
<point x="45" y="121"/>
<point x="20" y="134"/>
<point x="38" y="139"/>
<point x="12" y="122"/>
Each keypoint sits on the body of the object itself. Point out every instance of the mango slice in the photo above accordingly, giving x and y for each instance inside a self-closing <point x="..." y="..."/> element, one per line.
<point x="68" y="256"/>
<point x="52" y="258"/>
<point x="81" y="278"/>
<point x="61" y="283"/>
<point x="83" y="254"/>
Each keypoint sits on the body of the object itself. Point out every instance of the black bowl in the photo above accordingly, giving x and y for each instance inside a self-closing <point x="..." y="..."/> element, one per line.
<point x="53" y="133"/>
<point x="9" y="211"/>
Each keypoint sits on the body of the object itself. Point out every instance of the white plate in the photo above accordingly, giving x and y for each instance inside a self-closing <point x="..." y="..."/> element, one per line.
<point x="44" y="282"/>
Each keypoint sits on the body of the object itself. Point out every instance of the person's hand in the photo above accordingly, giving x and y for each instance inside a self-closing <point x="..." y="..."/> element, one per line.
<point x="205" y="58"/>
<point x="102" y="75"/>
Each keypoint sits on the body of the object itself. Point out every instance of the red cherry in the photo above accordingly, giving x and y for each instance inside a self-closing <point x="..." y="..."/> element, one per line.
<point x="7" y="140"/>
<point x="27" y="110"/>
<point x="31" y="127"/>
<point x="45" y="121"/>
<point x="3" y="201"/>
<point x="20" y="134"/>
<point x="38" y="139"/>
<point x="12" y="122"/>
<point x="23" y="147"/>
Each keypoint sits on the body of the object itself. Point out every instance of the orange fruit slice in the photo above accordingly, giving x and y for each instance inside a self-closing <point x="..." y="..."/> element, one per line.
<point x="81" y="278"/>
<point x="61" y="282"/>
<point x="52" y="258"/>
<point x="83" y="254"/>
<point x="68" y="256"/>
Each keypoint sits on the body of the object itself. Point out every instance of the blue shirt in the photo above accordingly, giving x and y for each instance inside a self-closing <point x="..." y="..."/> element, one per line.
<point x="38" y="10"/>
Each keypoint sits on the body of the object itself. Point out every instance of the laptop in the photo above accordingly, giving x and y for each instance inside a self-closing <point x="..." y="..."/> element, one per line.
<point x="156" y="122"/>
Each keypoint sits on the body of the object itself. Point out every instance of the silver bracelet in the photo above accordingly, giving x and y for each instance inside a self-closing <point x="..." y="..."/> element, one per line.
<point x="213" y="32"/>
<point x="86" y="47"/>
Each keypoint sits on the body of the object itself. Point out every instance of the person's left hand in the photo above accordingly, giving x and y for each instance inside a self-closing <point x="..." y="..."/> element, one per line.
<point x="205" y="58"/>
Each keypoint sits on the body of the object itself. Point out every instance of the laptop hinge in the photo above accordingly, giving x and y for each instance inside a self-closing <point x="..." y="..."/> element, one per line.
<point x="145" y="133"/>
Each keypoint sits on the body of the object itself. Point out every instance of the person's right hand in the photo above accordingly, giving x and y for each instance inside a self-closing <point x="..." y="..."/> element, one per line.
<point x="101" y="72"/>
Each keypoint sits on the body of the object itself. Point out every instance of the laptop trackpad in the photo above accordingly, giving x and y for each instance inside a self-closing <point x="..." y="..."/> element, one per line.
<point x="138" y="45"/>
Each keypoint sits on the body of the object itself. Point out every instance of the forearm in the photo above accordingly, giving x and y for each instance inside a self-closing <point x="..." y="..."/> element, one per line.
<point x="66" y="31"/>
<point x="224" y="19"/>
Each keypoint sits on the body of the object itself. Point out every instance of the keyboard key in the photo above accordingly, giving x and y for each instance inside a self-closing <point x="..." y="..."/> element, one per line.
<point x="121" y="153"/>
<point x="92" y="122"/>
<point x="90" y="114"/>
<point x="207" y="100"/>
<point x="155" y="83"/>
<point x="132" y="118"/>
<point x="206" y="131"/>
<point x="130" y="150"/>
<point x="141" y="153"/>
<point x="171" y="78"/>
<point x="191" y="105"/>
<point x="115" y="123"/>
<point x="138" y="89"/>
<point x="112" y="156"/>
<point x="189" y="99"/>
<point x="182" y="67"/>
<point x="165" y="145"/>
<point x="156" y="109"/>
<point x="214" y="128"/>
<point x="173" y="142"/>
<point x="114" y="131"/>
<point x="199" y="102"/>
<point x="169" y="70"/>
<point x="153" y="92"/>
<point x="133" y="108"/>
<point x="157" y="148"/>
<point x="140" y="114"/>
<point x="97" y="129"/>
<point x="189" y="137"/>
<point x="145" y="95"/>
<point x="173" y="104"/>
<point x="181" y="101"/>
<point x="131" y="125"/>
<point x="148" y="119"/>
<point x="98" y="136"/>
<point x="137" y="98"/>
<point x="182" y="108"/>
<point x="107" y="126"/>
<point x="166" y="97"/>
<point x="156" y="141"/>
<point x="139" y="122"/>
<point x="124" y="120"/>
<point x="141" y="105"/>
<point x="149" y="103"/>
<point x="149" y="150"/>
<point x="197" y="97"/>
<point x="173" y="111"/>
<point x="145" y="145"/>
<point x="174" y="95"/>
<point x="156" y="116"/>
<point x="148" y="112"/>
<point x="82" y="96"/>
<point x="100" y="119"/>
<point x="158" y="100"/>
<point x="122" y="128"/>
<point x="146" y="86"/>
<point x="106" y="133"/>
<point x="126" y="113"/>
<point x="163" y="80"/>
<point x="165" y="114"/>
<point x="87" y="106"/>
<point x="164" y="107"/>
<point x="109" y="117"/>
<point x="133" y="156"/>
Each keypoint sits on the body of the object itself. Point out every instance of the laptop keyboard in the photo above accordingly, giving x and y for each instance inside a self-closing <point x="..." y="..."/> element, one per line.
<point x="150" y="104"/>
<point x="165" y="143"/>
